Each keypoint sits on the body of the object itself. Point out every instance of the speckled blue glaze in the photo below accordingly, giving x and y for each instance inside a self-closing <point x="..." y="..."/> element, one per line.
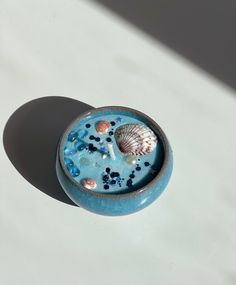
<point x="116" y="203"/>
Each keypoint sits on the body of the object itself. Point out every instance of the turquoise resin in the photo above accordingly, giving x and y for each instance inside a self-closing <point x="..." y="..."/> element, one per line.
<point x="119" y="199"/>
<point x="76" y="150"/>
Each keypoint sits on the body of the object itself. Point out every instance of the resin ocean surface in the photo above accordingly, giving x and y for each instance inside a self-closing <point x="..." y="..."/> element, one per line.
<point x="87" y="156"/>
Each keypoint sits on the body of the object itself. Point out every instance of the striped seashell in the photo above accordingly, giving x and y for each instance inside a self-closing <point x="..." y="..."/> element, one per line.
<point x="102" y="127"/>
<point x="135" y="139"/>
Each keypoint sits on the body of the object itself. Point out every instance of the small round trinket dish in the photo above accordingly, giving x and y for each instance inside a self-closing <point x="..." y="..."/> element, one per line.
<point x="113" y="161"/>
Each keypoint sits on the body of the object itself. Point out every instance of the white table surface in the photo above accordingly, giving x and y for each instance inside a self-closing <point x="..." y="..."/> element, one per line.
<point x="80" y="50"/>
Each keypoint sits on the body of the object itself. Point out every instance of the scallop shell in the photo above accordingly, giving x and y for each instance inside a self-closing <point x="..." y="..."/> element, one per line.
<point x="135" y="139"/>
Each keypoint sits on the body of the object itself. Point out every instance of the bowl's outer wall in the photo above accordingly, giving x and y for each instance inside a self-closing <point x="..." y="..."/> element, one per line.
<point x="121" y="204"/>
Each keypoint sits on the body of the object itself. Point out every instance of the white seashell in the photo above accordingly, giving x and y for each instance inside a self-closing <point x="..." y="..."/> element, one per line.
<point x="135" y="139"/>
<point x="89" y="183"/>
<point x="111" y="151"/>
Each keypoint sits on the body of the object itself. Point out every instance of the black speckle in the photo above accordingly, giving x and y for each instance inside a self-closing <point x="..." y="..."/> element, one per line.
<point x="91" y="147"/>
<point x="129" y="183"/>
<point x="108" y="139"/>
<point x="91" y="138"/>
<point x="108" y="170"/>
<point x="111" y="133"/>
<point x="146" y="163"/>
<point x="87" y="125"/>
<point x="133" y="171"/>
<point x="106" y="187"/>
<point x="115" y="174"/>
<point x="97" y="139"/>
<point x="112" y="123"/>
<point x="132" y="176"/>
<point x="105" y="178"/>
<point x="138" y="168"/>
<point x="113" y="181"/>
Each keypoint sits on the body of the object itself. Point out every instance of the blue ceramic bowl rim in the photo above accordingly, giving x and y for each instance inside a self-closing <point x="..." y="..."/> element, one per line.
<point x="161" y="135"/>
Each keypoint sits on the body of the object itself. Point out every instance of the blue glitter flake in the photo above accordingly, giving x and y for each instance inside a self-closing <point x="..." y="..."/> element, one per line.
<point x="82" y="133"/>
<point x="79" y="145"/>
<point x="69" y="151"/>
<point x="103" y="150"/>
<point x="68" y="163"/>
<point x="118" y="119"/>
<point x="72" y="136"/>
<point x="74" y="171"/>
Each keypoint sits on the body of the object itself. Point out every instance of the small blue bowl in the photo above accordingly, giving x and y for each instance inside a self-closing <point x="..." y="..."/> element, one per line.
<point x="116" y="204"/>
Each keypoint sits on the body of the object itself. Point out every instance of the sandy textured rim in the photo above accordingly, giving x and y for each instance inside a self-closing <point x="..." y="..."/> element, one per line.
<point x="161" y="136"/>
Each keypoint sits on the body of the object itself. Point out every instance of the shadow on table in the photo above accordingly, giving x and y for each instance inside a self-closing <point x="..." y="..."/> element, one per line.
<point x="31" y="136"/>
<point x="201" y="31"/>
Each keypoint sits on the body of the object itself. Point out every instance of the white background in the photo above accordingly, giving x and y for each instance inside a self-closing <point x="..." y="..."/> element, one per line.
<point x="188" y="236"/>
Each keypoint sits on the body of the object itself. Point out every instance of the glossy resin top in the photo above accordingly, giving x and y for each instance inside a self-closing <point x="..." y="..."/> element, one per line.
<point x="87" y="157"/>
